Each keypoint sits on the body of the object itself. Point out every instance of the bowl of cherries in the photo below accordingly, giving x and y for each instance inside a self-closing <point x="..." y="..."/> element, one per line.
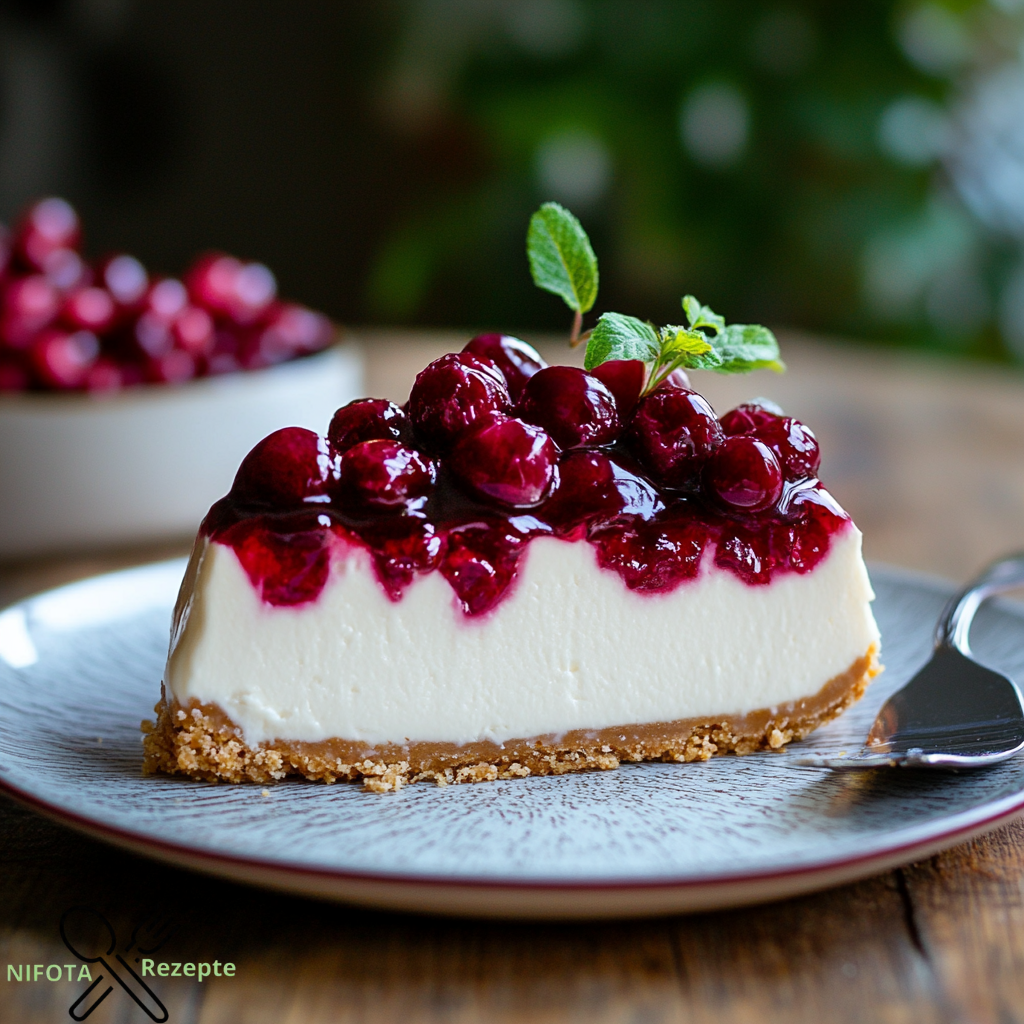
<point x="127" y="399"/>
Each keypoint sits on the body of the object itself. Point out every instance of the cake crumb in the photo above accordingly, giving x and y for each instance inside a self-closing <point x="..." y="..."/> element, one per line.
<point x="264" y="792"/>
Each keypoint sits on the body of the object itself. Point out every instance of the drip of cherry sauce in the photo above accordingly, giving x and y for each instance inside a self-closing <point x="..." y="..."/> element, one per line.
<point x="494" y="448"/>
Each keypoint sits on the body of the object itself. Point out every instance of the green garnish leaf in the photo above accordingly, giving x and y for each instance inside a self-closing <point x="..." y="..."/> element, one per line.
<point x="621" y="337"/>
<point x="682" y="342"/>
<point x="702" y="316"/>
<point x="746" y="347"/>
<point x="561" y="259"/>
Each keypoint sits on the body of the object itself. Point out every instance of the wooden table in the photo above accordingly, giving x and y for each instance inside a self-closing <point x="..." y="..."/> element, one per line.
<point x="929" y="458"/>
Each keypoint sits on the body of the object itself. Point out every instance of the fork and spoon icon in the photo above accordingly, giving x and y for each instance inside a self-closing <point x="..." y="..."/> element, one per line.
<point x="90" y="937"/>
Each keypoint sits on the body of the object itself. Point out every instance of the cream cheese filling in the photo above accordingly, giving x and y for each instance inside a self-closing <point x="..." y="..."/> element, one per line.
<point x="570" y="647"/>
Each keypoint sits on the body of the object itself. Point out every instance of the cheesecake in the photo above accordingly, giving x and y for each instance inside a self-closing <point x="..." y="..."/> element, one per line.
<point x="526" y="570"/>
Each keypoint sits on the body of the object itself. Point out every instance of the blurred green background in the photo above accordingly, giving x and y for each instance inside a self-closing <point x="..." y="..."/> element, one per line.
<point x="845" y="167"/>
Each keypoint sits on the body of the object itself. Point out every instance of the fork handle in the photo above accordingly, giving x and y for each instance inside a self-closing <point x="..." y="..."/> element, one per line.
<point x="955" y="621"/>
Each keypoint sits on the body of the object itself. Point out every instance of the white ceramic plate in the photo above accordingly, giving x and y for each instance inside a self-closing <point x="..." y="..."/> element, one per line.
<point x="147" y="462"/>
<point x="80" y="666"/>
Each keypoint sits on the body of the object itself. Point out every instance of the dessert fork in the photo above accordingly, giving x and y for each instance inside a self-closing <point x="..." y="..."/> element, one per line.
<point x="954" y="713"/>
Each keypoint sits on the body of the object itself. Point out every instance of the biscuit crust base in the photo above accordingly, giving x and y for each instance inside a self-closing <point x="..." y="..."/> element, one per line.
<point x="200" y="741"/>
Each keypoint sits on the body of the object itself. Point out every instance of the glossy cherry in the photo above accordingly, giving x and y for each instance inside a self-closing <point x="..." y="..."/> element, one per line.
<point x="572" y="406"/>
<point x="625" y="379"/>
<point x="592" y="486"/>
<point x="383" y="474"/>
<point x="452" y="393"/>
<point x="506" y="460"/>
<point x="673" y="433"/>
<point x="287" y="468"/>
<point x="367" y="419"/>
<point x="744" y="474"/>
<point x="794" y="445"/>
<point x="749" y="417"/>
<point x="517" y="361"/>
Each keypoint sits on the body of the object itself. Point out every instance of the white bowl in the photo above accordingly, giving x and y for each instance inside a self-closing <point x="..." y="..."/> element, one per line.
<point x="80" y="470"/>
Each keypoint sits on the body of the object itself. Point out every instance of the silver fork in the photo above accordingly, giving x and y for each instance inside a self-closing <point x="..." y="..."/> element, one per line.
<point x="954" y="713"/>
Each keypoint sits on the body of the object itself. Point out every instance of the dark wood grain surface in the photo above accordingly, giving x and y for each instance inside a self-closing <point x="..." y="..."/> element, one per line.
<point x="929" y="458"/>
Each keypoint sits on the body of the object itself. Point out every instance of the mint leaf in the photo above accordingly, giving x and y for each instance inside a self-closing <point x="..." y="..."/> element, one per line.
<point x="746" y="347"/>
<point x="621" y="337"/>
<point x="702" y="316"/>
<point x="561" y="259"/>
<point x="681" y="342"/>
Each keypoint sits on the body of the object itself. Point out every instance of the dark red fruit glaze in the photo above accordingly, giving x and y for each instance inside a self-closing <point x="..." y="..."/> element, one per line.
<point x="574" y="407"/>
<point x="228" y="319"/>
<point x="471" y="513"/>
<point x="517" y="361"/>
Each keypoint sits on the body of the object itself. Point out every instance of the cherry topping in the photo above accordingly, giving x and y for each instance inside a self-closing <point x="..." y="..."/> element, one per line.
<point x="480" y="563"/>
<point x="453" y="392"/>
<point x="652" y="556"/>
<point x="625" y="379"/>
<point x="367" y="419"/>
<point x="506" y="460"/>
<point x="286" y="568"/>
<point x="794" y="445"/>
<point x="572" y="406"/>
<point x="167" y="298"/>
<point x="593" y="487"/>
<point x="747" y="553"/>
<point x="517" y="361"/>
<point x="744" y="474"/>
<point x="287" y="468"/>
<point x="750" y="417"/>
<point x="384" y="474"/>
<point x="673" y="433"/>
<point x="678" y="378"/>
<point x="402" y="546"/>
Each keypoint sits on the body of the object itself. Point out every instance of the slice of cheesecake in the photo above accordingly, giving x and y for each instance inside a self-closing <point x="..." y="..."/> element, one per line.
<point x="523" y="572"/>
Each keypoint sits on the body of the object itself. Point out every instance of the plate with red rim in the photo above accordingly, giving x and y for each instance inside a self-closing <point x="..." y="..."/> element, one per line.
<point x="80" y="668"/>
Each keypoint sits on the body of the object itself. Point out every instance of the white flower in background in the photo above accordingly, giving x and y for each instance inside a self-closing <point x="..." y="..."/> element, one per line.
<point x="714" y="123"/>
<point x="574" y="168"/>
<point x="913" y="131"/>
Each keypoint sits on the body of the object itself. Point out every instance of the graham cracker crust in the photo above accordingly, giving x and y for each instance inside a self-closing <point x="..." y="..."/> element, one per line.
<point x="200" y="741"/>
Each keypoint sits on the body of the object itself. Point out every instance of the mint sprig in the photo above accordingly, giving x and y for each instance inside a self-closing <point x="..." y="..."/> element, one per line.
<point x="562" y="260"/>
